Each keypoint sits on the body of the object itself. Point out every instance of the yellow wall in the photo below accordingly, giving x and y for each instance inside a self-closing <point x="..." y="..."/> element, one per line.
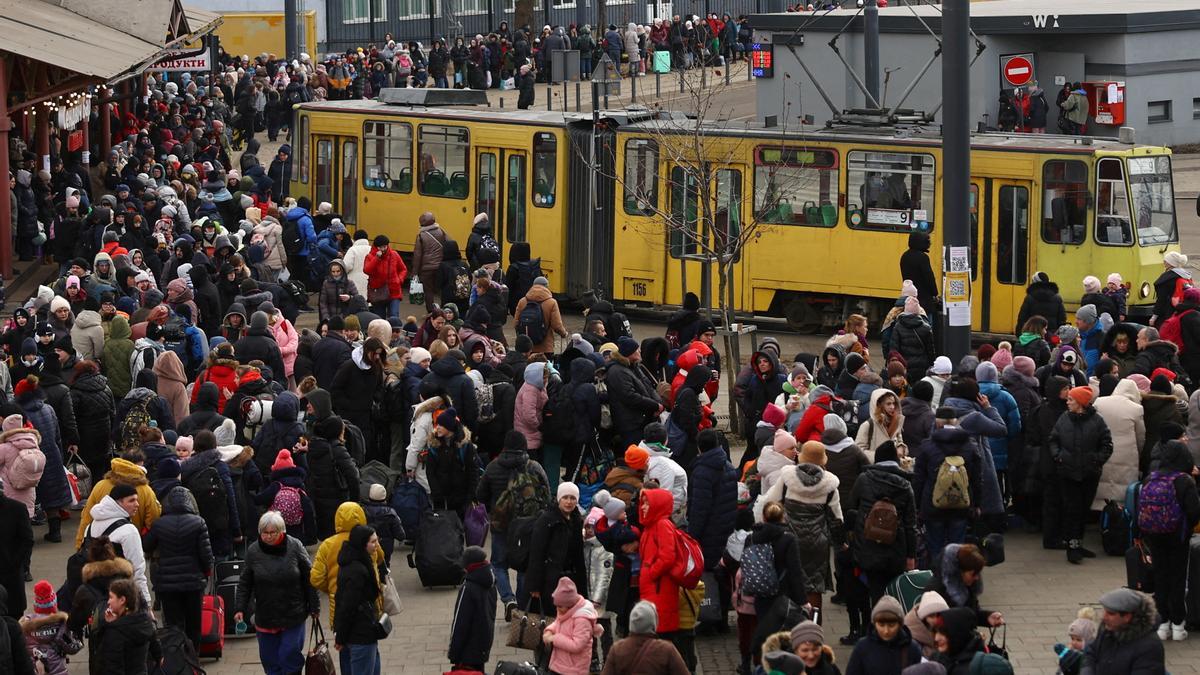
<point x="253" y="33"/>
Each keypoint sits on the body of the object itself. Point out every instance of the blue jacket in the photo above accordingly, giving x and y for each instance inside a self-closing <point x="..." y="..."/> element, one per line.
<point x="712" y="503"/>
<point x="53" y="491"/>
<point x="985" y="426"/>
<point x="1006" y="405"/>
<point x="324" y="250"/>
<point x="1089" y="344"/>
<point x="308" y="234"/>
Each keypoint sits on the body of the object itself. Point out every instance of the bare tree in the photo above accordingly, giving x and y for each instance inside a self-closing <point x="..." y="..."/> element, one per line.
<point x="523" y="16"/>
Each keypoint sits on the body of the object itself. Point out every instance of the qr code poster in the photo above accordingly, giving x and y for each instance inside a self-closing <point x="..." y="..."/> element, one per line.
<point x="960" y="259"/>
<point x="958" y="287"/>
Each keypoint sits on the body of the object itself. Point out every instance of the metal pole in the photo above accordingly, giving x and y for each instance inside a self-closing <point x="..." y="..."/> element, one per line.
<point x="289" y="28"/>
<point x="577" y="108"/>
<point x="549" y="97"/>
<point x="657" y="84"/>
<point x="956" y="151"/>
<point x="871" y="47"/>
<point x="632" y="86"/>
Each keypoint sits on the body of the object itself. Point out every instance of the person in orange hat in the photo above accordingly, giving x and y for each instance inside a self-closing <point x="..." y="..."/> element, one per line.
<point x="625" y="482"/>
<point x="1079" y="445"/>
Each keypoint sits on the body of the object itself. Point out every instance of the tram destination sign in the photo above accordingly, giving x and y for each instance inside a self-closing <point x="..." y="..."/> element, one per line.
<point x="762" y="60"/>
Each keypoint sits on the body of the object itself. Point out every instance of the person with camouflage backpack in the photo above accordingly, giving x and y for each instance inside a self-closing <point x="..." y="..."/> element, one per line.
<point x="513" y="487"/>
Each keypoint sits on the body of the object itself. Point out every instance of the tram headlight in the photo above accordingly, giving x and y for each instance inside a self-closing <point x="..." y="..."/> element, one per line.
<point x="1145" y="289"/>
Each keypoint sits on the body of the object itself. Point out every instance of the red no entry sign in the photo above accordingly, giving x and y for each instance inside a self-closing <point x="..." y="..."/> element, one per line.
<point x="1017" y="70"/>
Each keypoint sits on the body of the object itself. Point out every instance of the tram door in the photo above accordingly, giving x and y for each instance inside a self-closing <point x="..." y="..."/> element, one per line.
<point x="336" y="175"/>
<point x="694" y="235"/>
<point x="501" y="191"/>
<point x="1000" y="252"/>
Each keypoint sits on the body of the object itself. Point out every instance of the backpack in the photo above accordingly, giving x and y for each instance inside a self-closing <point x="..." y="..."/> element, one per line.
<point x="488" y="243"/>
<point x="558" y="415"/>
<point x="291" y="237"/>
<point x="26" y="468"/>
<point x="178" y="655"/>
<point x="287" y="502"/>
<point x="532" y="322"/>
<point x="137" y="417"/>
<point x="519" y="539"/>
<point x="882" y="522"/>
<point x="689" y="561"/>
<point x="78" y="559"/>
<point x="1159" y="511"/>
<point x="462" y="282"/>
<point x="527" y="271"/>
<point x="1114" y="528"/>
<point x="206" y="486"/>
<point x="605" y="406"/>
<point x="1172" y="329"/>
<point x="952" y="488"/>
<point x="1181" y="285"/>
<point x="525" y="496"/>
<point x="759" y="577"/>
<point x="485" y="398"/>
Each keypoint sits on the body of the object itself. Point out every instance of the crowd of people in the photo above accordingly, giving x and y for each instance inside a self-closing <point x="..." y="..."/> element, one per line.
<point x="1025" y="109"/>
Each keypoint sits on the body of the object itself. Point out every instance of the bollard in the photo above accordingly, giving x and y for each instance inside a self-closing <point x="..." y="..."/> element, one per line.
<point x="549" y="97"/>
<point x="727" y="65"/>
<point x="565" y="99"/>
<point x="632" y="86"/>
<point x="577" y="108"/>
<point x="681" y="80"/>
<point x="703" y="75"/>
<point x="657" y="84"/>
<point x="502" y="102"/>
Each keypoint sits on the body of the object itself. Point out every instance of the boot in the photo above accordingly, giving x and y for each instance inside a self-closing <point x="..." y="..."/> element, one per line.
<point x="54" y="535"/>
<point x="1074" y="552"/>
<point x="1164" y="631"/>
<point x="1178" y="633"/>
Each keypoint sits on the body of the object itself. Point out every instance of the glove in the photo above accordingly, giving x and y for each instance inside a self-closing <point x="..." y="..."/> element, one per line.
<point x="1069" y="660"/>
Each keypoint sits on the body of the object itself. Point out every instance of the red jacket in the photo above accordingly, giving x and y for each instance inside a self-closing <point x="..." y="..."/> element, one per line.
<point x="695" y="355"/>
<point x="388" y="269"/>
<point x="812" y="425"/>
<point x="223" y="373"/>
<point x="657" y="547"/>
<point x="114" y="249"/>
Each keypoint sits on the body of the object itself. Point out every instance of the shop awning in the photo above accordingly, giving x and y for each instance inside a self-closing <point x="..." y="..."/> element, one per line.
<point x="51" y="34"/>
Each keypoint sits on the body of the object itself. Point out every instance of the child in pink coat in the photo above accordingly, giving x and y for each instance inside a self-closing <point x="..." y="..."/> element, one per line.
<point x="572" y="632"/>
<point x="21" y="460"/>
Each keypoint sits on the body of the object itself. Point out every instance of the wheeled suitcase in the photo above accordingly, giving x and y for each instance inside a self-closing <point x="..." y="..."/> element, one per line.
<point x="226" y="575"/>
<point x="437" y="554"/>
<point x="212" y="627"/>
<point x="1193" y="582"/>
<point x="1139" y="571"/>
<point x="908" y="587"/>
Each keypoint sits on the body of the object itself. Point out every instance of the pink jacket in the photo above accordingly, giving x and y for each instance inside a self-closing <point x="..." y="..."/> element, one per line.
<point x="573" y="635"/>
<point x="289" y="341"/>
<point x="527" y="414"/>
<point x="12" y="442"/>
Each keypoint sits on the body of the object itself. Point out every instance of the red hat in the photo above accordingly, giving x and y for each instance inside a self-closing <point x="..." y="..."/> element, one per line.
<point x="1165" y="372"/>
<point x="26" y="386"/>
<point x="283" y="461"/>
<point x="774" y="415"/>
<point x="45" y="599"/>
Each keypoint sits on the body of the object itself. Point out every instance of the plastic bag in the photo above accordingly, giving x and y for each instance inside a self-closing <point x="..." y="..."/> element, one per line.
<point x="416" y="292"/>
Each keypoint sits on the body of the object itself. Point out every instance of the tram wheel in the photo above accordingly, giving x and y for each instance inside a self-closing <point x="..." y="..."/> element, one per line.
<point x="801" y="316"/>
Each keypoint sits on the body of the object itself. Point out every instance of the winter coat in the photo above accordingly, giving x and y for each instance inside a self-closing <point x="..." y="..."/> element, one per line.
<point x="814" y="512"/>
<point x="913" y="338"/>
<point x="358" y="598"/>
<point x="762" y="389"/>
<point x="1159" y="409"/>
<point x="1134" y="649"/>
<point x="1006" y="405"/>
<point x="1123" y="415"/>
<point x="585" y="399"/>
<point x="259" y="343"/>
<point x="329" y="303"/>
<point x="17" y="534"/>
<point x="180" y="537"/>
<point x="874" y="656"/>
<point x="1164" y="291"/>
<point x="1080" y="445"/>
<point x="325" y="566"/>
<point x="871" y="432"/>
<point x="915" y="266"/>
<point x="1189" y="324"/>
<point x="452" y="469"/>
<point x="53" y="491"/>
<point x="291" y="477"/>
<point x="501" y="470"/>
<point x="789" y="559"/>
<point x="172" y="384"/>
<point x="918" y="422"/>
<point x="712" y="503"/>
<point x="551" y="317"/>
<point x="288" y="341"/>
<point x="846" y="460"/>
<point x="387" y="270"/>
<point x="531" y="401"/>
<point x="1042" y="299"/>
<point x="46" y="634"/>
<point x="88" y="336"/>
<point x="573" y="634"/>
<point x="275" y="582"/>
<point x="355" y="259"/>
<point x="124" y="645"/>
<point x="1031" y="345"/>
<point x="354" y="388"/>
<point x="271" y="232"/>
<point x="943" y="443"/>
<point x="103" y="515"/>
<point x="1024" y="391"/>
<point x="555" y="551"/>
<point x="473" y="625"/>
<point x="221" y="536"/>
<point x="631" y="397"/>
<point x="332" y="479"/>
<point x="12" y="443"/>
<point x="660" y="656"/>
<point x="1158" y="354"/>
<point x="658" y="548"/>
<point x="448" y="373"/>
<point x="127" y="473"/>
<point x="947" y="582"/>
<point x="281" y="432"/>
<point x="876" y="482"/>
<point x="222" y="374"/>
<point x="328" y="354"/>
<point x="479" y="231"/>
<point x="94" y="407"/>
<point x="427" y="251"/>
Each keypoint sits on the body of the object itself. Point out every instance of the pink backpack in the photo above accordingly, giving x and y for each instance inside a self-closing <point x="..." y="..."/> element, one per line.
<point x="289" y="505"/>
<point x="25" y="470"/>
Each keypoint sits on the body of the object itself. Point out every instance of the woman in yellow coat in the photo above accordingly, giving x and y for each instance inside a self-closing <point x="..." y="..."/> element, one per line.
<point x="325" y="567"/>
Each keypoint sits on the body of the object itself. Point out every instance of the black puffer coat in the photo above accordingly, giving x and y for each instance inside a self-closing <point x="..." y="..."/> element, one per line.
<point x="180" y="536"/>
<point x="207" y="299"/>
<point x="585" y="399"/>
<point x="1042" y="299"/>
<point x="330" y="352"/>
<point x="259" y="343"/>
<point x="332" y="479"/>
<point x="555" y="551"/>
<point x="204" y="411"/>
<point x="1158" y="354"/>
<point x="913" y="338"/>
<point x="892" y="483"/>
<point x="356" y="602"/>
<point x="448" y="373"/>
<point x="631" y="397"/>
<point x="1080" y="444"/>
<point x="281" y="432"/>
<point x="453" y="473"/>
<point x="93" y="405"/>
<point x="915" y="266"/>
<point x="275" y="583"/>
<point x="788" y="564"/>
<point x="712" y="503"/>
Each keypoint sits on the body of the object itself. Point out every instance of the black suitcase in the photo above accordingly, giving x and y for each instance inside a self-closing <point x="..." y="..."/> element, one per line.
<point x="1139" y="574"/>
<point x="1193" y="583"/>
<point x="1114" y="528"/>
<point x="437" y="554"/>
<point x="226" y="574"/>
<point x="514" y="668"/>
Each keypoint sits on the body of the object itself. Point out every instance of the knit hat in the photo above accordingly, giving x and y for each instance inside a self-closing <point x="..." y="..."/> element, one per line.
<point x="419" y="355"/>
<point x="774" y="415"/>
<point x="942" y="366"/>
<point x="472" y="555"/>
<point x="912" y="306"/>
<point x="1083" y="628"/>
<point x="1163" y="372"/>
<point x="283" y="461"/>
<point x="807" y="631"/>
<point x="378" y="493"/>
<point x="835" y="429"/>
<point x="1142" y="382"/>
<point x="448" y="419"/>
<point x="122" y="491"/>
<point x="643" y="618"/>
<point x="1024" y="365"/>
<point x="614" y="508"/>
<point x="1070" y="356"/>
<point x="886" y="452"/>
<point x="184" y="444"/>
<point x="626" y="346"/>
<point x="167" y="467"/>
<point x="636" y="458"/>
<point x="1159" y="384"/>
<point x="1091" y="284"/>
<point x="541" y="281"/>
<point x="853" y="362"/>
<point x="1087" y="313"/>
<point x="565" y="595"/>
<point x="986" y="372"/>
<point x="922" y="391"/>
<point x="1191" y="295"/>
<point x="515" y="440"/>
<point x="45" y="598"/>
<point x="931" y="603"/>
<point x="908" y="289"/>
<point x="812" y="452"/>
<point x="945" y="412"/>
<point x="1081" y="395"/>
<point x="984" y="352"/>
<point x="1170" y="431"/>
<point x="28" y="385"/>
<point x="13" y="421"/>
<point x="654" y="432"/>
<point x="887" y="607"/>
<point x="567" y="489"/>
<point x="1175" y="259"/>
<point x="783" y="441"/>
<point x="601" y="497"/>
<point x="1003" y="357"/>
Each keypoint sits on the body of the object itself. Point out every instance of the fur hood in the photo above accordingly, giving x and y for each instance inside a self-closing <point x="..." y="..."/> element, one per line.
<point x="236" y="456"/>
<point x="808" y="483"/>
<point x="117" y="568"/>
<point x="35" y="622"/>
<point x="952" y="578"/>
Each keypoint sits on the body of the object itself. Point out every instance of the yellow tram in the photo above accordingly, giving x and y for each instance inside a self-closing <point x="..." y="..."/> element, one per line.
<point x="831" y="208"/>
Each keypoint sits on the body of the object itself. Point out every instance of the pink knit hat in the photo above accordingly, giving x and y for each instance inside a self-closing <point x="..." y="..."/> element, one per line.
<point x="1025" y="365"/>
<point x="1142" y="382"/>
<point x="1002" y="358"/>
<point x="565" y="595"/>
<point x="783" y="441"/>
<point x="183" y="443"/>
<point x="13" y="422"/>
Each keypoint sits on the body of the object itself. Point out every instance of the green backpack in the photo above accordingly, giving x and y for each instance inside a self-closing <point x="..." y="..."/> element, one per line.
<point x="525" y="496"/>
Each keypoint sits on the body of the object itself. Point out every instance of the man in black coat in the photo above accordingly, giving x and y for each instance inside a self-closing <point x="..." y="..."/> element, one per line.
<point x="448" y="374"/>
<point x="474" y="625"/>
<point x="712" y="498"/>
<point x="525" y="87"/>
<point x="207" y="299"/>
<point x="1126" y="642"/>
<point x="17" y="535"/>
<point x="633" y="400"/>
<point x="915" y="266"/>
<point x="185" y="560"/>
<point x="330" y="352"/>
<point x="259" y="344"/>
<point x="1042" y="299"/>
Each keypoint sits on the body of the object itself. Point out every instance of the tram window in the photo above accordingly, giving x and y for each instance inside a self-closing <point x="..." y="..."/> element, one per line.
<point x="324" y="187"/>
<point x="727" y="219"/>
<point x="444" y="161"/>
<point x="889" y="191"/>
<point x="973" y="203"/>
<point x="685" y="197"/>
<point x="1012" y="243"/>
<point x="302" y="149"/>
<point x="1114" y="226"/>
<point x="349" y="191"/>
<point x="1064" y="201"/>
<point x="387" y="156"/>
<point x="545" y="169"/>
<point x="641" y="177"/>
<point x="796" y="186"/>
<point x="1153" y="199"/>
<point x="515" y="200"/>
<point x="485" y="189"/>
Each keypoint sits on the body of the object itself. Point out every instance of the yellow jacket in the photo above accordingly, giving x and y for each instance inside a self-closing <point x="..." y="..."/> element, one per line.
<point x="325" y="567"/>
<point x="122" y="471"/>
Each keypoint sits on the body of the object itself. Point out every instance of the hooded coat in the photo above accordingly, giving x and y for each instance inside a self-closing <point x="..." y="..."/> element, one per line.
<point x="180" y="537"/>
<point x="126" y="473"/>
<point x="632" y="397"/>
<point x="872" y="433"/>
<point x="94" y="408"/>
<point x="658" y="548"/>
<point x="551" y="317"/>
<point x="329" y="303"/>
<point x="1042" y="299"/>
<point x="325" y="566"/>
<point x="873" y="655"/>
<point x="473" y="624"/>
<point x="531" y="400"/>
<point x="271" y="232"/>
<point x="915" y="266"/>
<point x="106" y="512"/>
<point x="12" y="443"/>
<point x="948" y="583"/>
<point x="809" y="494"/>
<point x="53" y="491"/>
<point x="288" y="341"/>
<point x="945" y="442"/>
<point x="358" y="593"/>
<point x="259" y="343"/>
<point x="172" y="384"/>
<point x="1006" y="405"/>
<point x="355" y="259"/>
<point x="328" y="354"/>
<point x="688" y="416"/>
<point x="222" y="374"/>
<point x="762" y="388"/>
<point x="276" y="581"/>
<point x="555" y="551"/>
<point x="1080" y="445"/>
<point x="281" y="432"/>
<point x="913" y="338"/>
<point x="1123" y="414"/>
<point x="124" y="645"/>
<point x="712" y="503"/>
<point x="1164" y="291"/>
<point x="332" y="480"/>
<point x="207" y="299"/>
<point x="88" y="336"/>
<point x="890" y="482"/>
<point x="448" y="373"/>
<point x="1135" y="648"/>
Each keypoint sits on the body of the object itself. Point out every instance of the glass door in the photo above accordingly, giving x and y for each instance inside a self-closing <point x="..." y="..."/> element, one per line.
<point x="999" y="252"/>
<point x="347" y="203"/>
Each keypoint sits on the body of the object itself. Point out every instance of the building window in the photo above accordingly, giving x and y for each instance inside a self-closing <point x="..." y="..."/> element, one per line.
<point x="467" y="7"/>
<point x="796" y="186"/>
<point x="1064" y="201"/>
<point x="641" y="177"/>
<point x="545" y="169"/>
<point x="1158" y="111"/>
<point x="358" y="11"/>
<point x="889" y="191"/>
<point x="444" y="161"/>
<point x="1196" y="108"/>
<point x="412" y="9"/>
<point x="387" y="156"/>
<point x="563" y="4"/>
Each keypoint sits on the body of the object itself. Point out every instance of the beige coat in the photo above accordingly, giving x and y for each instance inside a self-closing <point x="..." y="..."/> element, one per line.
<point x="550" y="314"/>
<point x="1122" y="412"/>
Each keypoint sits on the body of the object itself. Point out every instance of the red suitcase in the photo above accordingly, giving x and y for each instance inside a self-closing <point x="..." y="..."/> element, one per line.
<point x="212" y="627"/>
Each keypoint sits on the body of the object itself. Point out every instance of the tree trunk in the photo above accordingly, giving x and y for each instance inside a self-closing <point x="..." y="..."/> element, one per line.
<point x="732" y="343"/>
<point x="601" y="18"/>
<point x="523" y="16"/>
